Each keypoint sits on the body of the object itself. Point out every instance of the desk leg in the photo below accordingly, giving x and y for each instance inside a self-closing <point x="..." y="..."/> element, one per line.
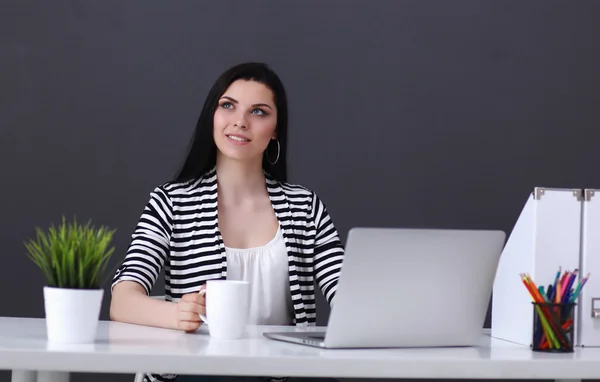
<point x="24" y="376"/>
<point x="52" y="376"/>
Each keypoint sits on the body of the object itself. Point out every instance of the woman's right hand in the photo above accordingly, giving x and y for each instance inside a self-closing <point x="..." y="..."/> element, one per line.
<point x="188" y="312"/>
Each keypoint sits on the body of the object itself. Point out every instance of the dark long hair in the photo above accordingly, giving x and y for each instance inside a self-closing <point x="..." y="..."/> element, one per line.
<point x="202" y="153"/>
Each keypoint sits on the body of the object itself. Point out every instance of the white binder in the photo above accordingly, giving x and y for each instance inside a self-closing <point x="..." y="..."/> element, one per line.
<point x="546" y="236"/>
<point x="589" y="299"/>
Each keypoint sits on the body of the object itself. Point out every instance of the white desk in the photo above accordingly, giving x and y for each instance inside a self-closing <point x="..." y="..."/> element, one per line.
<point x="123" y="348"/>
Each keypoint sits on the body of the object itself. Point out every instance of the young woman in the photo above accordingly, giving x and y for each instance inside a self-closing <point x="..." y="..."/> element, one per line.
<point x="230" y="214"/>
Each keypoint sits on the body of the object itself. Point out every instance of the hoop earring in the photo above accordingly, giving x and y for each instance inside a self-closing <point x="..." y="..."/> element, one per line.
<point x="278" y="151"/>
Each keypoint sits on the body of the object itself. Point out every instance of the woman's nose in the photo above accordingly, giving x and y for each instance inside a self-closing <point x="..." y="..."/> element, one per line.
<point x="241" y="123"/>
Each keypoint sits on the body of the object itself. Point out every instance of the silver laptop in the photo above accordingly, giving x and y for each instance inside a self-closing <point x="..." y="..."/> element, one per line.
<point x="409" y="288"/>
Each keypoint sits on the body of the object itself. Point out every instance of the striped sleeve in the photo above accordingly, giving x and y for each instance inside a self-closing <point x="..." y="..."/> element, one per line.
<point x="329" y="251"/>
<point x="149" y="245"/>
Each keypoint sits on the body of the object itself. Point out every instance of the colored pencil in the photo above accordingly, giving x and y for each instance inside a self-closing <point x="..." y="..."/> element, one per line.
<point x="530" y="285"/>
<point x="579" y="286"/>
<point x="556" y="331"/>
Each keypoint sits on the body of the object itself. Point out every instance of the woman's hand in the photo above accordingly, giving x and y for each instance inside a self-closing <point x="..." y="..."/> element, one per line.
<point x="188" y="311"/>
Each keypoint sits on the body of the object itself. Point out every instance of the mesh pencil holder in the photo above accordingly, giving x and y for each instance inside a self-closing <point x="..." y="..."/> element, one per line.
<point x="553" y="327"/>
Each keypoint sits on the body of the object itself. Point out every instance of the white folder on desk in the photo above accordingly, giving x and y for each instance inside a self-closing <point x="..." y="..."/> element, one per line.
<point x="546" y="236"/>
<point x="589" y="299"/>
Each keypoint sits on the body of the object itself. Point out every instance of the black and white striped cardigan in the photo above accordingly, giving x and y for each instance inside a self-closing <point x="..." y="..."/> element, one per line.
<point x="178" y="230"/>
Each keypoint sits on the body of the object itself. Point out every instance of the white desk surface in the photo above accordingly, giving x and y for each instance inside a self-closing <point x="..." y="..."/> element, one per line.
<point x="124" y="348"/>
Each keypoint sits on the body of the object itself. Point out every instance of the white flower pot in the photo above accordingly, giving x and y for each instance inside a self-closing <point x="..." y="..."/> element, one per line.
<point x="72" y="315"/>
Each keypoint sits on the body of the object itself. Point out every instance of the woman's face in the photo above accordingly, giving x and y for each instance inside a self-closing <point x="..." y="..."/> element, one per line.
<point x="245" y="121"/>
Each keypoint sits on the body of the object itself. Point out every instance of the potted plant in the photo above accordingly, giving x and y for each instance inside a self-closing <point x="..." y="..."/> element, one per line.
<point x="72" y="258"/>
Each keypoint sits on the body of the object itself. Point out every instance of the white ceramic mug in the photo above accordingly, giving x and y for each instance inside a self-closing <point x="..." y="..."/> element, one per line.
<point x="227" y="304"/>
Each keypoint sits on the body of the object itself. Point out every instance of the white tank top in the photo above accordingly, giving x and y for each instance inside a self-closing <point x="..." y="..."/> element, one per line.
<point x="266" y="268"/>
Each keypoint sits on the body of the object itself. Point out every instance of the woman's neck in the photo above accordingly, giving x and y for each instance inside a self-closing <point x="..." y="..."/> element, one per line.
<point x="239" y="181"/>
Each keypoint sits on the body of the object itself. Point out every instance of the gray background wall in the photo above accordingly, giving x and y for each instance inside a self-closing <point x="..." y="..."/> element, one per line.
<point x="403" y="113"/>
